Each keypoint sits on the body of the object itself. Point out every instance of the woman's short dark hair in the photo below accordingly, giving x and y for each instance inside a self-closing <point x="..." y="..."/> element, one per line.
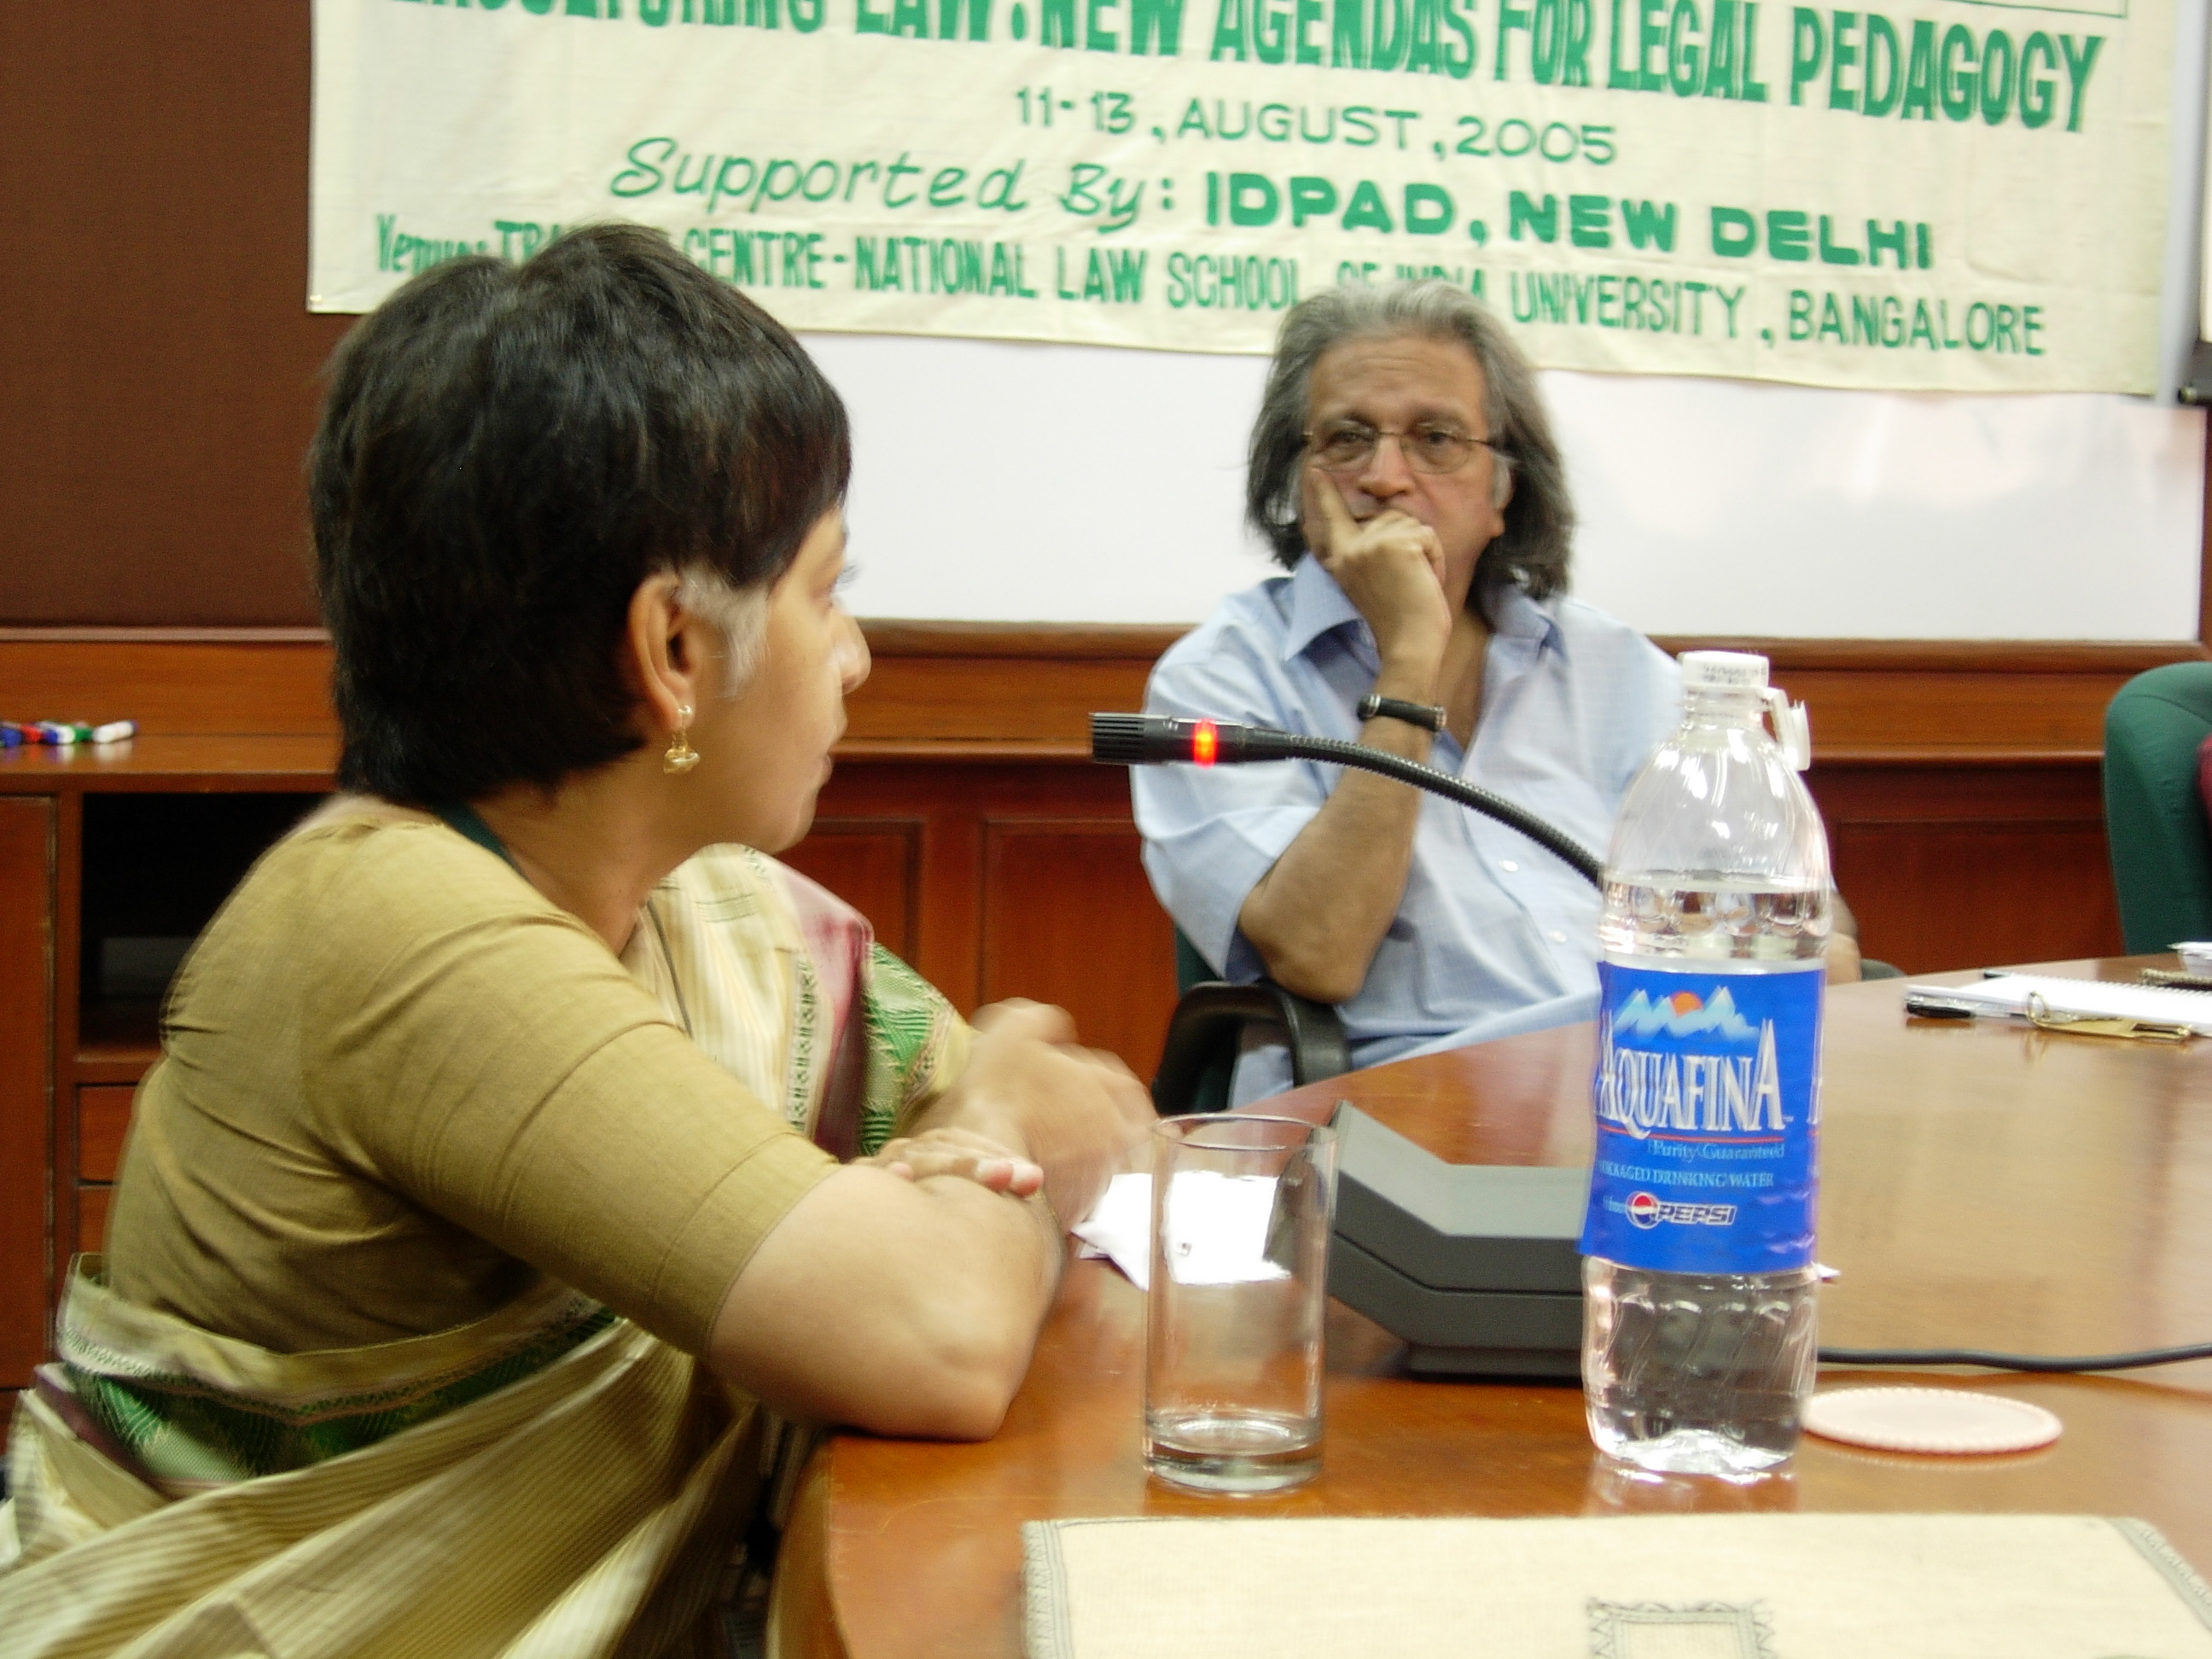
<point x="506" y="453"/>
<point x="1532" y="552"/>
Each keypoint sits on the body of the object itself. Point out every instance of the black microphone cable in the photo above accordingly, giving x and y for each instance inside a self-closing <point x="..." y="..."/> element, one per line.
<point x="1991" y="1360"/>
<point x="1148" y="739"/>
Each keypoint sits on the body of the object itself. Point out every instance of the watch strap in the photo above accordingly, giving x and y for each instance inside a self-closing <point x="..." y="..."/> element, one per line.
<point x="1429" y="716"/>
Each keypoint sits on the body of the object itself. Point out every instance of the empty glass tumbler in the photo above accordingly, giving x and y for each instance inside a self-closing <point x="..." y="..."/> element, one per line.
<point x="1243" y="1206"/>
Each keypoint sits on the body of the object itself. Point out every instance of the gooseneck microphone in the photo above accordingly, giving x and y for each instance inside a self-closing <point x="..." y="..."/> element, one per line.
<point x="1150" y="739"/>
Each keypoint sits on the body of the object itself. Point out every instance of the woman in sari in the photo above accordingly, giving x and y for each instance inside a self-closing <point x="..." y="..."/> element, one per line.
<point x="483" y="1220"/>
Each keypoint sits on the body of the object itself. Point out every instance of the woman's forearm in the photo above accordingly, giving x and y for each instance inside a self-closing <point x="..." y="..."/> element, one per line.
<point x="905" y="1308"/>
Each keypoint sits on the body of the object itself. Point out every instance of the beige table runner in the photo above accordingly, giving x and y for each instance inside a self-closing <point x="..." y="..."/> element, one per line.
<point x="1674" y="1587"/>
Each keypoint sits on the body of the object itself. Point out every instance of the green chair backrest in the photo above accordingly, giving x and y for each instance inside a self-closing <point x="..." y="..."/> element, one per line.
<point x="2154" y="816"/>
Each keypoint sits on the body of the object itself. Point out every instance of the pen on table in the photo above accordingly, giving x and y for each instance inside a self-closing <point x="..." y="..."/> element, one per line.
<point x="1923" y="1005"/>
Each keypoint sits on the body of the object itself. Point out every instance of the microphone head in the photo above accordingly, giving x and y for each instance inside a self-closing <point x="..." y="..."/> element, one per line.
<point x="1119" y="739"/>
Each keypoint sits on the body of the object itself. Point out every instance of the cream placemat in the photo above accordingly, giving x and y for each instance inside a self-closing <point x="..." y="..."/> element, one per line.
<point x="1674" y="1587"/>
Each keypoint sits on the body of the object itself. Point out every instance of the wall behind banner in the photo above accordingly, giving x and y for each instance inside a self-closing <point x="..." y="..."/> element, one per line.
<point x="1019" y="483"/>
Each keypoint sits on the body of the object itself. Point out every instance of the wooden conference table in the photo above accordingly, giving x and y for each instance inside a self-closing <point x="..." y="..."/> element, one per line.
<point x="1987" y="1186"/>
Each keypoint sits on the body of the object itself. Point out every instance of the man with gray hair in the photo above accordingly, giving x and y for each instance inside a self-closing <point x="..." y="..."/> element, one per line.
<point x="1403" y="471"/>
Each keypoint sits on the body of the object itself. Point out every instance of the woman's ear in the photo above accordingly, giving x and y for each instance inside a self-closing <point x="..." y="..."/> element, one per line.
<point x="661" y="654"/>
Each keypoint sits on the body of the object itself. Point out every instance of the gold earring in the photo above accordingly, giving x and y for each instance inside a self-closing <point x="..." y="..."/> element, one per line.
<point x="681" y="755"/>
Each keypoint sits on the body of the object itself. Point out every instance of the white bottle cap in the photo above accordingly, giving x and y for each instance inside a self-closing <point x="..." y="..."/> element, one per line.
<point x="1723" y="670"/>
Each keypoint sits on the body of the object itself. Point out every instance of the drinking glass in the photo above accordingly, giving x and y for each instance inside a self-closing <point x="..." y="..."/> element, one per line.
<point x="1242" y="1205"/>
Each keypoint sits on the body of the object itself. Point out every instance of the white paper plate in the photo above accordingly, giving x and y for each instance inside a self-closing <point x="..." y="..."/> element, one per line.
<point x="1947" y="1421"/>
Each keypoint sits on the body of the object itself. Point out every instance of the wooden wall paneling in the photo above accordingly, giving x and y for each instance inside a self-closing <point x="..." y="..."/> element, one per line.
<point x="1951" y="867"/>
<point x="26" y="877"/>
<point x="90" y="1218"/>
<point x="875" y="865"/>
<point x="68" y="1026"/>
<point x="103" y="1119"/>
<point x="162" y="382"/>
<point x="273" y="681"/>
<point x="1070" y="918"/>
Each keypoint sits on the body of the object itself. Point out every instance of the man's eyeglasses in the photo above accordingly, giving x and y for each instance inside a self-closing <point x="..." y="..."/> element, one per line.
<point x="1427" y="445"/>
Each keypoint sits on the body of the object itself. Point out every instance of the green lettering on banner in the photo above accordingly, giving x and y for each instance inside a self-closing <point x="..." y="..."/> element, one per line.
<point x="1996" y="76"/>
<point x="1650" y="38"/>
<point x="1734" y="232"/>
<point x="1347" y="34"/>
<point x="1389" y="49"/>
<point x="1458" y="60"/>
<point x="1955" y="73"/>
<point x="2039" y="89"/>
<point x="1271" y="31"/>
<point x="1428" y="210"/>
<point x="1920" y="73"/>
<point x="1720" y="80"/>
<point x="1252" y="200"/>
<point x="1620" y="73"/>
<point x="1423" y="52"/>
<point x="1523" y="215"/>
<point x="1884" y="67"/>
<point x="1365" y="211"/>
<point x="1753" y="91"/>
<point x="1843" y="54"/>
<point x="1310" y="198"/>
<point x="1589" y="220"/>
<point x="1155" y="28"/>
<point x="1228" y="31"/>
<point x="1684" y="55"/>
<point x="2077" y="75"/>
<point x="1649" y="225"/>
<point x="1809" y="48"/>
<point x="1789" y="235"/>
<point x="1511" y="19"/>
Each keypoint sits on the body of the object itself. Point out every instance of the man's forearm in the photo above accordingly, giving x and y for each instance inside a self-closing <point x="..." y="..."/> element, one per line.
<point x="1318" y="914"/>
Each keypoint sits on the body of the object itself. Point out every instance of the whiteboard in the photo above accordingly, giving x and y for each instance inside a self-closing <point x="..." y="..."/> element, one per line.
<point x="1008" y="483"/>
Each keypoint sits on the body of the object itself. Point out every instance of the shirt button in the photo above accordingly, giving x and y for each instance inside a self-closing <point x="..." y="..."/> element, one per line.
<point x="1507" y="864"/>
<point x="1558" y="938"/>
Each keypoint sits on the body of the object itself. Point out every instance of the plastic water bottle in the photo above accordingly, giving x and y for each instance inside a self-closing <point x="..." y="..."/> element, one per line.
<point x="1698" y="1275"/>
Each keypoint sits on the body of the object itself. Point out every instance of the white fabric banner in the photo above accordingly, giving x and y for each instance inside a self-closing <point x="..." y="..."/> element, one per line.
<point x="1942" y="195"/>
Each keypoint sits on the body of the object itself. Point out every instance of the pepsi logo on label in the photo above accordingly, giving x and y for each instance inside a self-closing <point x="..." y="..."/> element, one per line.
<point x="1647" y="1211"/>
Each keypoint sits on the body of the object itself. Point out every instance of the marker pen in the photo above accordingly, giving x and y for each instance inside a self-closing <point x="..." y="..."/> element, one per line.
<point x="113" y="732"/>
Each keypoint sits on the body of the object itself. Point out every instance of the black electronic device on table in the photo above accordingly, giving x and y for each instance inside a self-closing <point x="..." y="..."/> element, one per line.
<point x="1474" y="1265"/>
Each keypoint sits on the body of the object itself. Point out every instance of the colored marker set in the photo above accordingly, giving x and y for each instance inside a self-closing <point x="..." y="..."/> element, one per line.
<point x="63" y="734"/>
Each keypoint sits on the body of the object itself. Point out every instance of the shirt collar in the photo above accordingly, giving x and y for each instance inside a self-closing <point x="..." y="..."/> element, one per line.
<point x="1319" y="607"/>
<point x="1520" y="618"/>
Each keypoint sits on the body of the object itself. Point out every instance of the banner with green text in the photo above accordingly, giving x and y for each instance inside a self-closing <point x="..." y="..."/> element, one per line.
<point x="1953" y="194"/>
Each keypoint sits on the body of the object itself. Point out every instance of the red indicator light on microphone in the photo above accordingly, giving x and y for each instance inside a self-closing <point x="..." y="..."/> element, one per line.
<point x="1205" y="742"/>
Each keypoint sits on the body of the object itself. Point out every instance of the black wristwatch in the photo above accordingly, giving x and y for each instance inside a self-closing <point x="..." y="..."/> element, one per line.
<point x="1429" y="716"/>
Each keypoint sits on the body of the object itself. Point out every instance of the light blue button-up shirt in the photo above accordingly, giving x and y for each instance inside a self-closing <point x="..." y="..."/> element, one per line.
<point x="1494" y="935"/>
